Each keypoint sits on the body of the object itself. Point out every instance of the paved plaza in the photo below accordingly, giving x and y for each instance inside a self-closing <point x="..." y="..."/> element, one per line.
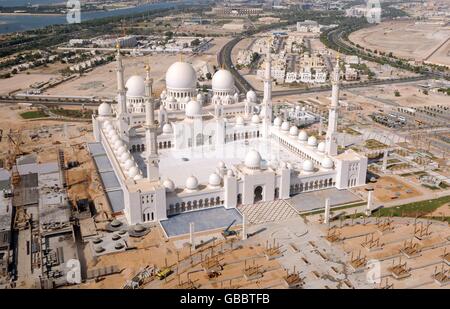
<point x="316" y="200"/>
<point x="204" y="220"/>
<point x="273" y="211"/>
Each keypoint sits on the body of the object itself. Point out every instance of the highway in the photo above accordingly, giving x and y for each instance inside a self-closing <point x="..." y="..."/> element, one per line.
<point x="224" y="60"/>
<point x="60" y="101"/>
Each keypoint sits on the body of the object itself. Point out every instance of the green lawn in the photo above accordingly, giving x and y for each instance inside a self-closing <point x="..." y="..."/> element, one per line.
<point x="33" y="115"/>
<point x="86" y="114"/>
<point x="414" y="209"/>
<point x="374" y="144"/>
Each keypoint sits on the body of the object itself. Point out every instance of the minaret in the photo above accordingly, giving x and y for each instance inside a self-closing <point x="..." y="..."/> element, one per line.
<point x="267" y="100"/>
<point x="220" y="125"/>
<point x="122" y="114"/>
<point x="331" y="138"/>
<point x="150" y="131"/>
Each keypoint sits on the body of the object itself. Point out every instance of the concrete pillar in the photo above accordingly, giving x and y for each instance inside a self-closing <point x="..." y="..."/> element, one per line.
<point x="191" y="234"/>
<point x="326" y="219"/>
<point x="244" y="230"/>
<point x="385" y="156"/>
<point x="369" y="204"/>
<point x="320" y="126"/>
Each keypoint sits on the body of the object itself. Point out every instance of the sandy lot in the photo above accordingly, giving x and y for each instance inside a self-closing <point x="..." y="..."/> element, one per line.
<point x="410" y="95"/>
<point x="101" y="81"/>
<point x="388" y="187"/>
<point x="22" y="81"/>
<point x="406" y="39"/>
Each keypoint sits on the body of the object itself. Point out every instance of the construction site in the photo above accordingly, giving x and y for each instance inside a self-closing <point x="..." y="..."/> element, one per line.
<point x="361" y="239"/>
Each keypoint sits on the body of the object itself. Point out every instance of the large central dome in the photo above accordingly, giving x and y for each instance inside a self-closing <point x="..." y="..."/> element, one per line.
<point x="181" y="75"/>
<point x="223" y="81"/>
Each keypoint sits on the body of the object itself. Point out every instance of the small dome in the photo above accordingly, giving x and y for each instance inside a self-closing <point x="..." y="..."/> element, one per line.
<point x="285" y="126"/>
<point x="167" y="128"/>
<point x="191" y="183"/>
<point x="308" y="166"/>
<point x="106" y="124"/>
<point x="171" y="99"/>
<point x="277" y="122"/>
<point x="193" y="109"/>
<point x="251" y="96"/>
<point x="181" y="76"/>
<point x="200" y="97"/>
<point x="255" y="119"/>
<point x="133" y="171"/>
<point x="293" y="131"/>
<point x="221" y="165"/>
<point x="121" y="150"/>
<point x="239" y="120"/>
<point x="214" y="180"/>
<point x="128" y="164"/>
<point x="312" y="141"/>
<point x="321" y="147"/>
<point x="253" y="159"/>
<point x="230" y="173"/>
<point x="274" y="163"/>
<point x="169" y="185"/>
<point x="263" y="112"/>
<point x="135" y="86"/>
<point x="327" y="163"/>
<point x="118" y="144"/>
<point x="303" y="136"/>
<point x="116" y="223"/>
<point x="125" y="156"/>
<point x="222" y="81"/>
<point x="110" y="131"/>
<point x="114" y="138"/>
<point x="138" y="177"/>
<point x="104" y="110"/>
<point x="109" y="128"/>
<point x="139" y="228"/>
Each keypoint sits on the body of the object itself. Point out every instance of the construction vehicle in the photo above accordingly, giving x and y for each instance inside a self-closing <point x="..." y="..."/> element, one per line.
<point x="164" y="273"/>
<point x="227" y="232"/>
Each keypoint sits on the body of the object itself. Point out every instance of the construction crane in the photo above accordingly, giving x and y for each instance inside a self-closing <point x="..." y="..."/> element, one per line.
<point x="227" y="232"/>
<point x="14" y="141"/>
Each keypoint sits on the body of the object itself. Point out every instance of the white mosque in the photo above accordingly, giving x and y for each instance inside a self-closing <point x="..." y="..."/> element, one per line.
<point x="202" y="150"/>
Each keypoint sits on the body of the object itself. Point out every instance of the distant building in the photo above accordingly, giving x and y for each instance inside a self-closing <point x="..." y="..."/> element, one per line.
<point x="235" y="26"/>
<point x="352" y="59"/>
<point x="124" y="42"/>
<point x="351" y="73"/>
<point x="237" y="11"/>
<point x="308" y="26"/>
